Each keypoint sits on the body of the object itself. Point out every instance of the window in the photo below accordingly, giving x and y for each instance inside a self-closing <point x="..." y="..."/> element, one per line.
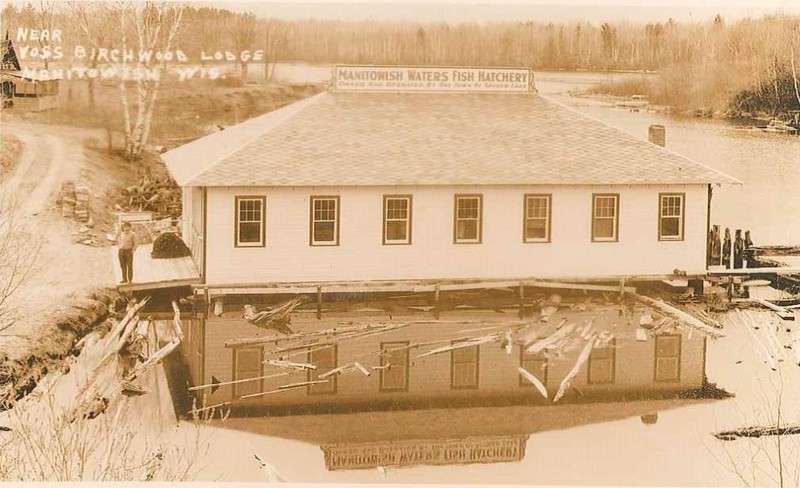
<point x="668" y="358"/>
<point x="670" y="216"/>
<point x="395" y="377"/>
<point x="250" y="221"/>
<point x="464" y="367"/>
<point x="247" y="364"/>
<point x="324" y="221"/>
<point x="468" y="213"/>
<point x="605" y="217"/>
<point x="397" y="219"/>
<point x="601" y="364"/>
<point x="535" y="364"/>
<point x="325" y="360"/>
<point x="537" y="218"/>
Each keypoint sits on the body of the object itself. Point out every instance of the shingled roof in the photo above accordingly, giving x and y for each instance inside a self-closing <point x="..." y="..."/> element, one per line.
<point x="366" y="139"/>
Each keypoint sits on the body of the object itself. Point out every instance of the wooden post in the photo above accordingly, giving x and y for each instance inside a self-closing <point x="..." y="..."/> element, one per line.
<point x="319" y="303"/>
<point x="730" y="289"/>
<point x="521" y="298"/>
<point x="436" y="303"/>
<point x="207" y="297"/>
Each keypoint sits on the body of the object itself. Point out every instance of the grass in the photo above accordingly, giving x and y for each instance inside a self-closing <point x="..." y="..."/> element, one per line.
<point x="9" y="155"/>
<point x="184" y="110"/>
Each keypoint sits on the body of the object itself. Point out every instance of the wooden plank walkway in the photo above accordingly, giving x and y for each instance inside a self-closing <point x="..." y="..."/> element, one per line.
<point x="150" y="274"/>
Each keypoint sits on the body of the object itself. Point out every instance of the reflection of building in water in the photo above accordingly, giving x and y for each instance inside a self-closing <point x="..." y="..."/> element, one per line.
<point x="413" y="410"/>
<point x="487" y="373"/>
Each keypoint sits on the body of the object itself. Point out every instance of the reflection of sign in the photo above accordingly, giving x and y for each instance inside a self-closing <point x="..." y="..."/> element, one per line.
<point x="432" y="79"/>
<point x="425" y="452"/>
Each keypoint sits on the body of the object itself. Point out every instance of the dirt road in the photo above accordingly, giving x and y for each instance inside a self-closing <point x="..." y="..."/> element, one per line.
<point x="50" y="155"/>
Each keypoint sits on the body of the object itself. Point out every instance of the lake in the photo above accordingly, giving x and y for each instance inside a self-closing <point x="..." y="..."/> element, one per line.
<point x="652" y="441"/>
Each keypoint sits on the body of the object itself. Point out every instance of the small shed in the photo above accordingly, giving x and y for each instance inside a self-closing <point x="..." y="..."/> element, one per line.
<point x="25" y="89"/>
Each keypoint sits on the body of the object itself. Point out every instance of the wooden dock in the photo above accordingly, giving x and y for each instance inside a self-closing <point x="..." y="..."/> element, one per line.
<point x="151" y="274"/>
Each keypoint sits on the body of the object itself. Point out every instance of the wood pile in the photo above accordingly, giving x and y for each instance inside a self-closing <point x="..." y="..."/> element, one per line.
<point x="73" y="202"/>
<point x="67" y="200"/>
<point x="169" y="245"/>
<point x="82" y="204"/>
<point x="160" y="195"/>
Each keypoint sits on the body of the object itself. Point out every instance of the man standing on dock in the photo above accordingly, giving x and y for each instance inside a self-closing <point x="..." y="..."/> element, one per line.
<point x="126" y="242"/>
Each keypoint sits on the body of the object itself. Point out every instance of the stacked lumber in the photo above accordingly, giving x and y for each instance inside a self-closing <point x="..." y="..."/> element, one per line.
<point x="67" y="199"/>
<point x="82" y="204"/>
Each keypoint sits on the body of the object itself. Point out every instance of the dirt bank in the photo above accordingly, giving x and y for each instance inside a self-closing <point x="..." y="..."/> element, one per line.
<point x="59" y="329"/>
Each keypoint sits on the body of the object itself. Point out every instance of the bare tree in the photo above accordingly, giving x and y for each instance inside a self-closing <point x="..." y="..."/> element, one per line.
<point x="17" y="256"/>
<point x="154" y="26"/>
<point x="243" y="34"/>
<point x="97" y="25"/>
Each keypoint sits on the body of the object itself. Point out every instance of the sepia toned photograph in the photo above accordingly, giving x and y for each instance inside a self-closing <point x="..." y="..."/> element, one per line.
<point x="535" y="242"/>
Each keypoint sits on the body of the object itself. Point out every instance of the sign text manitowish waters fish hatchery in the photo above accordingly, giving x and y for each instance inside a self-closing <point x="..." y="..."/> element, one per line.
<point x="432" y="79"/>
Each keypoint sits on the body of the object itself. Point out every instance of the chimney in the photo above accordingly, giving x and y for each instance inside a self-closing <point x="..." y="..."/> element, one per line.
<point x="657" y="134"/>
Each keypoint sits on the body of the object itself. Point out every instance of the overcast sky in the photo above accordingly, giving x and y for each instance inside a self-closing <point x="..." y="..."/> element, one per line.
<point x="519" y="10"/>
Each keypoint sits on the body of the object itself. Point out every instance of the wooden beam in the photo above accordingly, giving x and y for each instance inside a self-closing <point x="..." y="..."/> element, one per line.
<point x="680" y="315"/>
<point x="778" y="270"/>
<point x="437" y="309"/>
<point x="444" y="285"/>
<point x="783" y="313"/>
<point x="319" y="303"/>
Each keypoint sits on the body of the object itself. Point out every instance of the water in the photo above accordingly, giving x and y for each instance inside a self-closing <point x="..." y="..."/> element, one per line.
<point x="593" y="441"/>
<point x="768" y="202"/>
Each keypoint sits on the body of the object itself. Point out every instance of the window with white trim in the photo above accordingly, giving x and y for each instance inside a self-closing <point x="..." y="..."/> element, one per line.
<point x="250" y="221"/>
<point x="537" y="218"/>
<point x="605" y="217"/>
<point x="247" y="365"/>
<point x="397" y="219"/>
<point x="670" y="216"/>
<point x="325" y="221"/>
<point x="468" y="214"/>
<point x="668" y="358"/>
<point x="464" y="367"/>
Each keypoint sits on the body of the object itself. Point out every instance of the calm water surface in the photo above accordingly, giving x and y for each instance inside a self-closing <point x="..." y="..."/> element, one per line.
<point x="596" y="448"/>
<point x="768" y="202"/>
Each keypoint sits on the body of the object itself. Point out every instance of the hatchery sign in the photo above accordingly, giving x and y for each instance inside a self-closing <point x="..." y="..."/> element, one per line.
<point x="432" y="79"/>
<point x="425" y="452"/>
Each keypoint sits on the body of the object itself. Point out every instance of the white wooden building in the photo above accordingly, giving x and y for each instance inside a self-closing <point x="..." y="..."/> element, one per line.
<point x="437" y="174"/>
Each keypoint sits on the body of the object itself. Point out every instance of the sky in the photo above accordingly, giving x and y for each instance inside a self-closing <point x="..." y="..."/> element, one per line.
<point x="513" y="10"/>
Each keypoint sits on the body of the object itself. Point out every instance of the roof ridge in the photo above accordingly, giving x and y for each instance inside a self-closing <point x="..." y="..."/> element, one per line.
<point x="298" y="107"/>
<point x="734" y="180"/>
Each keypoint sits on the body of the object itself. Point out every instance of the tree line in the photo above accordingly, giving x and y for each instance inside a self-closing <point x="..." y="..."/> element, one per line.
<point x="751" y="63"/>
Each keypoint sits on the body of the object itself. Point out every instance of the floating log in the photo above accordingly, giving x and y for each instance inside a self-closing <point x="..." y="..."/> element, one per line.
<point x="216" y="384"/>
<point x="782" y="312"/>
<point x="680" y="315"/>
<point x="582" y="358"/>
<point x="729" y="435"/>
<point x="460" y="345"/>
<point x="290" y="365"/>
<point x="777" y="270"/>
<point x="361" y="368"/>
<point x="553" y="338"/>
<point x="533" y="380"/>
<point x="275" y="318"/>
<point x="335" y="371"/>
